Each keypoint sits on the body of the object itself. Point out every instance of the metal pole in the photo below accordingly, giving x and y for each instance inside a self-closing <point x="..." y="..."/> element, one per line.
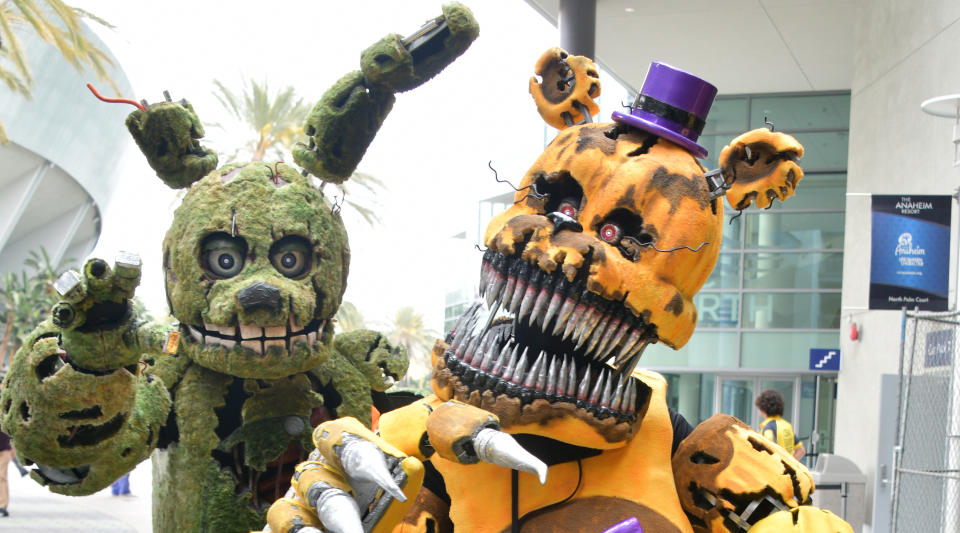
<point x="898" y="442"/>
<point x="578" y="27"/>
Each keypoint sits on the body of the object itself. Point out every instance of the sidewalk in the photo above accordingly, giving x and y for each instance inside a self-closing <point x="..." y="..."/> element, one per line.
<point x="34" y="508"/>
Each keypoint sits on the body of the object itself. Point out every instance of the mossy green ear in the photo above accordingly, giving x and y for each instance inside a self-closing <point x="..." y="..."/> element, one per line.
<point x="168" y="134"/>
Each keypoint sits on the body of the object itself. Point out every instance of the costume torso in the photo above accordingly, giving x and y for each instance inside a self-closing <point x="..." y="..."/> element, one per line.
<point x="635" y="480"/>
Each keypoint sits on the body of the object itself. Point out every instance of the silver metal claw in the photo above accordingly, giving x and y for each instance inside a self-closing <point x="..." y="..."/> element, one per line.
<point x="363" y="460"/>
<point x="499" y="448"/>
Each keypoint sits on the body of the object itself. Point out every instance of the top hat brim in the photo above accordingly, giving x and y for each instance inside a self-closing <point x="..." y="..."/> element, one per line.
<point x="657" y="129"/>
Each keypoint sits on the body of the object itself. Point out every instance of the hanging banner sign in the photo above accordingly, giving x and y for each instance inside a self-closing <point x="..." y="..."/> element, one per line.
<point x="910" y="254"/>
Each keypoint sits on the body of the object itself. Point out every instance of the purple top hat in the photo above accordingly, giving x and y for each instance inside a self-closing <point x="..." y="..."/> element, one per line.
<point x="672" y="104"/>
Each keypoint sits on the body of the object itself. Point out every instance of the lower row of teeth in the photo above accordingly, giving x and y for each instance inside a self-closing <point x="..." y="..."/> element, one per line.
<point x="491" y="361"/>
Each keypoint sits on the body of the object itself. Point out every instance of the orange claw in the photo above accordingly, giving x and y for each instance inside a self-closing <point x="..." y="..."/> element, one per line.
<point x="115" y="100"/>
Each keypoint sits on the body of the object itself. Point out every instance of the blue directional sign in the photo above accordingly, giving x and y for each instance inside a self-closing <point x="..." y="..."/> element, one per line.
<point x="825" y="359"/>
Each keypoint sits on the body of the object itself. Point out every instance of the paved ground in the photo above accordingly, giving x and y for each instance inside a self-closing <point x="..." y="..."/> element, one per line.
<point x="34" y="509"/>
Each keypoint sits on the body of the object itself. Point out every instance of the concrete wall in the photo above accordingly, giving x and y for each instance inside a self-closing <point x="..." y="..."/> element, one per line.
<point x="906" y="52"/>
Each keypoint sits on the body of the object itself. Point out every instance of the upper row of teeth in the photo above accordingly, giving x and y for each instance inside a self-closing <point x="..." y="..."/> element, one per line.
<point x="549" y="374"/>
<point x="597" y="332"/>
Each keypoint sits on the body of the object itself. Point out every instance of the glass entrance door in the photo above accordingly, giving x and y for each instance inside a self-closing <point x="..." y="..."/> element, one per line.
<point x="736" y="398"/>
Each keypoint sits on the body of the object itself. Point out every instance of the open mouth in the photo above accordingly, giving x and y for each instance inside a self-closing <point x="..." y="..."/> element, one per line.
<point x="541" y="336"/>
<point x="258" y="339"/>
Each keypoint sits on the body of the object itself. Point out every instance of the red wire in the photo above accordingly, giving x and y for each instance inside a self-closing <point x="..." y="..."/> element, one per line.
<point x="115" y="100"/>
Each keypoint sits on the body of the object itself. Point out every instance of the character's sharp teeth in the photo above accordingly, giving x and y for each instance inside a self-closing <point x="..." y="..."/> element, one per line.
<point x="531" y="380"/>
<point x="495" y="352"/>
<point x="530" y="295"/>
<point x="615" y="341"/>
<point x="606" y="336"/>
<point x="388" y="381"/>
<point x="626" y="348"/>
<point x="197" y="336"/>
<point x="521" y="287"/>
<point x="540" y="306"/>
<point x="590" y="324"/>
<point x="565" y="310"/>
<point x="291" y="325"/>
<point x="575" y="318"/>
<point x="505" y="356"/>
<point x="584" y="388"/>
<point x="562" y="381"/>
<point x="508" y="289"/>
<point x="517" y="376"/>
<point x="541" y="384"/>
<point x="551" y="385"/>
<point x="607" y="389"/>
<point x="486" y="271"/>
<point x="282" y="343"/>
<point x="597" y="335"/>
<point x="255" y="345"/>
<point x="617" y="398"/>
<point x="470" y="349"/>
<point x="571" y="377"/>
<point x="275" y="332"/>
<point x="250" y="331"/>
<point x="555" y="301"/>
<point x="631" y="398"/>
<point x="598" y="388"/>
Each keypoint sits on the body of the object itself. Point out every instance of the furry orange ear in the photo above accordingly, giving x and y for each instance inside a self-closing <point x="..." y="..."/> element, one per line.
<point x="565" y="91"/>
<point x="761" y="165"/>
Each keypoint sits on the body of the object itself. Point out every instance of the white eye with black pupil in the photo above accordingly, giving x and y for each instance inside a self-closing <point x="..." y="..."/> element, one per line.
<point x="291" y="256"/>
<point x="223" y="256"/>
<point x="610" y="232"/>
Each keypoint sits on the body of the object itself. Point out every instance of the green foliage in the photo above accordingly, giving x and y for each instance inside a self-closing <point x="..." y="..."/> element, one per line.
<point x="409" y="331"/>
<point x="26" y="299"/>
<point x="57" y="24"/>
<point x="273" y="121"/>
<point x="349" y="318"/>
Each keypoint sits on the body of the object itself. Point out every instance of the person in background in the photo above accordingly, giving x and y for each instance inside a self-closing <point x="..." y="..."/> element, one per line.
<point x="6" y="454"/>
<point x="121" y="487"/>
<point x="774" y="427"/>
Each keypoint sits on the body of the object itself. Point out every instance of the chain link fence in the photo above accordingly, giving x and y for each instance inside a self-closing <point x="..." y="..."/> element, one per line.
<point x="926" y="491"/>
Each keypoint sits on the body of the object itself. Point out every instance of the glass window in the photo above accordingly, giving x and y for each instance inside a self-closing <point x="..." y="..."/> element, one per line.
<point x="817" y="191"/>
<point x="794" y="230"/>
<point x="801" y="112"/>
<point x="792" y="270"/>
<point x="731" y="230"/>
<point x="713" y="144"/>
<point x="825" y="150"/>
<point x="782" y="349"/>
<point x="717" y="309"/>
<point x="808" y="310"/>
<point x="728" y="114"/>
<point x="726" y="274"/>
<point x="706" y="349"/>
<point x="736" y="398"/>
<point x="691" y="395"/>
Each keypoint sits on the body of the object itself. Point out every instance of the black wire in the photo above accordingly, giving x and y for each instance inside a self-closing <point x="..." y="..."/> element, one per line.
<point x="518" y="524"/>
<point x="514" y="500"/>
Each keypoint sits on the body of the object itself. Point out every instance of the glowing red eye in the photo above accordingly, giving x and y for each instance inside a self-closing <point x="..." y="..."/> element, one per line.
<point x="610" y="232"/>
<point x="568" y="208"/>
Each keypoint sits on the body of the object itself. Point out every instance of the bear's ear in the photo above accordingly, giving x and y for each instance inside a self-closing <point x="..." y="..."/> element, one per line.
<point x="761" y="165"/>
<point x="565" y="89"/>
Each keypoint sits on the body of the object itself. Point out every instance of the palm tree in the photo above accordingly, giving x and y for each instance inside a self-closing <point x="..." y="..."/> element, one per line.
<point x="349" y="318"/>
<point x="274" y="122"/>
<point x="57" y="24"/>
<point x="408" y="330"/>
<point x="275" y="119"/>
<point x="26" y="299"/>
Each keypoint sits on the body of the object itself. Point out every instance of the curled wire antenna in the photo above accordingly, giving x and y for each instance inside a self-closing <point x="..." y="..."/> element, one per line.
<point x="651" y="245"/>
<point x="739" y="212"/>
<point x="767" y="122"/>
<point x="338" y="203"/>
<point x="533" y="190"/>
<point x="477" y="246"/>
<point x="626" y="106"/>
